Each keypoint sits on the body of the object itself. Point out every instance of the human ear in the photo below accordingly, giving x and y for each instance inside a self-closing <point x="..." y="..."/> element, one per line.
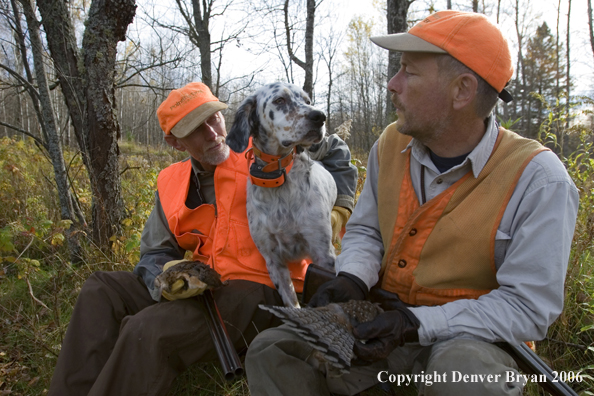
<point x="464" y="90"/>
<point x="173" y="142"/>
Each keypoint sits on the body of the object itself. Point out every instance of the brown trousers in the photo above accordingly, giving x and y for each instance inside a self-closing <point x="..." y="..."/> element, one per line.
<point x="121" y="342"/>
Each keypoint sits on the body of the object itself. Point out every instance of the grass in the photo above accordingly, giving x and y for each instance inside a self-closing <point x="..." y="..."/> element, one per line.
<point x="38" y="286"/>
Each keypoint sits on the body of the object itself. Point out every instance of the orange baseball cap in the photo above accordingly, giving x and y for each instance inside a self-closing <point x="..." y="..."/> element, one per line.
<point x="467" y="36"/>
<point x="187" y="108"/>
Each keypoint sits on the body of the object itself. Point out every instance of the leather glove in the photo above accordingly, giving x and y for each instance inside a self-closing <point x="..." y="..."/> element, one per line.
<point x="340" y="216"/>
<point x="387" y="331"/>
<point x="387" y="300"/>
<point x="177" y="292"/>
<point x="344" y="287"/>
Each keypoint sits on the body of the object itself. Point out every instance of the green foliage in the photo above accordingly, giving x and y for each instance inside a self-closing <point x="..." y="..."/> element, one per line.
<point x="508" y="124"/>
<point x="31" y="231"/>
<point x="361" y="175"/>
<point x="540" y="79"/>
<point x="38" y="286"/>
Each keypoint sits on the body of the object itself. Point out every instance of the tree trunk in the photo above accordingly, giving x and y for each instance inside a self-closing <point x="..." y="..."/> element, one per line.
<point x="309" y="40"/>
<point x="568" y="76"/>
<point x="307" y="66"/>
<point x="475" y="5"/>
<point x="558" y="53"/>
<point x="557" y="130"/>
<point x="397" y="23"/>
<point x="106" y="25"/>
<point x="54" y="147"/>
<point x="520" y="71"/>
<point x="62" y="45"/>
<point x="498" y="10"/>
<point x="591" y="25"/>
<point x="201" y="22"/>
<point x="331" y="42"/>
<point x="89" y="94"/>
<point x="23" y="52"/>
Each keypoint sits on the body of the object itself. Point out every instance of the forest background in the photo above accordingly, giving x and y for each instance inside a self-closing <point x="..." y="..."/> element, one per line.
<point x="80" y="144"/>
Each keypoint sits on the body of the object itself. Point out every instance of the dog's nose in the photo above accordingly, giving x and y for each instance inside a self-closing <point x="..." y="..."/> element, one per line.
<point x="317" y="116"/>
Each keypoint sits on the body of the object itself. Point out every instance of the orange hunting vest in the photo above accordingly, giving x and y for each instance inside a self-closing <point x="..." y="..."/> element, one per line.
<point x="444" y="250"/>
<point x="219" y="237"/>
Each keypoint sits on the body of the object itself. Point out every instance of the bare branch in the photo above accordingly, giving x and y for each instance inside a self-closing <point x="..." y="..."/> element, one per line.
<point x="150" y="86"/>
<point x="27" y="133"/>
<point x="24" y="82"/>
<point x="122" y="83"/>
<point x="293" y="57"/>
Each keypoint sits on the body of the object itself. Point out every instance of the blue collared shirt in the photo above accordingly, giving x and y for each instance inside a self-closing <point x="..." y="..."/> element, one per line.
<point x="532" y="247"/>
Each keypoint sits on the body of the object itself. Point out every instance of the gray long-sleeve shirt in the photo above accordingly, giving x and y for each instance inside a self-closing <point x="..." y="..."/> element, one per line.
<point x="532" y="247"/>
<point x="158" y="244"/>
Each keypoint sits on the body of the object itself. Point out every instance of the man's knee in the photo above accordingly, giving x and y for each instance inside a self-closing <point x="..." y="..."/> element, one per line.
<point x="471" y="366"/>
<point x="110" y="282"/>
<point x="282" y="347"/>
<point x="279" y="340"/>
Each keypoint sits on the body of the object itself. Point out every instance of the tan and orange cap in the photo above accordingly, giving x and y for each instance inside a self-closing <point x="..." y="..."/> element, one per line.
<point x="469" y="37"/>
<point x="187" y="108"/>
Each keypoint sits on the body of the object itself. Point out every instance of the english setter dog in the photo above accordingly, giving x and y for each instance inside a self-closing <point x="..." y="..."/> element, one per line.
<point x="289" y="196"/>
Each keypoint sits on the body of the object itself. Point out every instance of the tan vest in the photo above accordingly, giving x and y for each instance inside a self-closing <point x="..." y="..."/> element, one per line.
<point x="444" y="250"/>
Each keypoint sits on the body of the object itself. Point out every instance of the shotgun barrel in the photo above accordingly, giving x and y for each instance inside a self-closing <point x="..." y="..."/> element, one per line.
<point x="530" y="363"/>
<point x="230" y="362"/>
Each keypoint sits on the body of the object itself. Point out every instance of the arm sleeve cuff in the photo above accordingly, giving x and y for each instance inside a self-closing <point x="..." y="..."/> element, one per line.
<point x="345" y="201"/>
<point x="356" y="281"/>
<point x="434" y="325"/>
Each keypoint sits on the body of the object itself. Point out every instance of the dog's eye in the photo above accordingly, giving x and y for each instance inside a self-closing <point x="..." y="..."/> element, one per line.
<point x="279" y="101"/>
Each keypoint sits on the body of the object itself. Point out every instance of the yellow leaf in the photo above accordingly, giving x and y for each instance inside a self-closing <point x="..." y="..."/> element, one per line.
<point x="65" y="224"/>
<point x="58" y="240"/>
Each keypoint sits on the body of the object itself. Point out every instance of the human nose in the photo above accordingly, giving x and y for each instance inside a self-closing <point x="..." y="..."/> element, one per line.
<point x="210" y="132"/>
<point x="393" y="84"/>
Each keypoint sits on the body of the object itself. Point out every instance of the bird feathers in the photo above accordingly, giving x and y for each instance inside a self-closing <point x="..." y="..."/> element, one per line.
<point x="188" y="275"/>
<point x="328" y="329"/>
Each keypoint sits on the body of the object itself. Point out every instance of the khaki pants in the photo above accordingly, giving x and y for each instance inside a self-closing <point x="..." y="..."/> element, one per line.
<point x="121" y="342"/>
<point x="278" y="363"/>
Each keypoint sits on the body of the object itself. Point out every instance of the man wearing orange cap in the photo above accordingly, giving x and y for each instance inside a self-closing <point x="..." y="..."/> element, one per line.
<point x="123" y="338"/>
<point x="469" y="224"/>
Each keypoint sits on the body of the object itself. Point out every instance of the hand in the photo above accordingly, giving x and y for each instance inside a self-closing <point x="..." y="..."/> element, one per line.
<point x="343" y="288"/>
<point x="177" y="291"/>
<point x="388" y="301"/>
<point x="340" y="216"/>
<point x="387" y="331"/>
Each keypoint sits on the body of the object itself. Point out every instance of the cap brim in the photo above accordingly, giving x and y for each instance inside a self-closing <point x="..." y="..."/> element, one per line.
<point x="196" y="117"/>
<point x="406" y="42"/>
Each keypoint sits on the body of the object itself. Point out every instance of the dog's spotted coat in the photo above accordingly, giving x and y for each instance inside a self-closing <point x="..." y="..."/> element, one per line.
<point x="290" y="222"/>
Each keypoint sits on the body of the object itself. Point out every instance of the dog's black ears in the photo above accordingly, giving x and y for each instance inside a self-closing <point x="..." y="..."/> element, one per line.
<point x="245" y="124"/>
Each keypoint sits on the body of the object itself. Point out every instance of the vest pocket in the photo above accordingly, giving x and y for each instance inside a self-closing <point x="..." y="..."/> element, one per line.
<point x="193" y="242"/>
